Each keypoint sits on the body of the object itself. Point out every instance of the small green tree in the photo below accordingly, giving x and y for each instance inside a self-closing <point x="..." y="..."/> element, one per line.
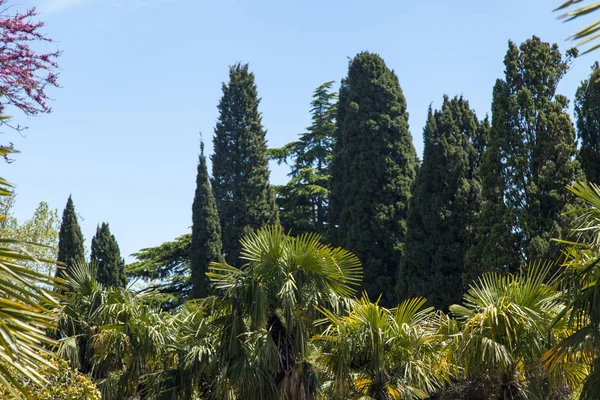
<point x="70" y="238"/>
<point x="206" y="243"/>
<point x="107" y="256"/>
<point x="373" y="166"/>
<point x="240" y="171"/>
<point x="304" y="201"/>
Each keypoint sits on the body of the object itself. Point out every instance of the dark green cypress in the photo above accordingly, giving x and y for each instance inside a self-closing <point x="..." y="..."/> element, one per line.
<point x="107" y="257"/>
<point x="240" y="178"/>
<point x="304" y="201"/>
<point x="70" y="239"/>
<point x="444" y="206"/>
<point x="206" y="244"/>
<point x="528" y="162"/>
<point x="587" y="111"/>
<point x="373" y="166"/>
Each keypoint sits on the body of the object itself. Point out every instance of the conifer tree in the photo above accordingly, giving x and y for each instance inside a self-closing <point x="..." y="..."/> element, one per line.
<point x="528" y="162"/>
<point x="240" y="179"/>
<point x="373" y="166"/>
<point x="444" y="206"/>
<point x="587" y="111"/>
<point x="166" y="268"/>
<point x="206" y="244"/>
<point x="304" y="201"/>
<point x="70" y="239"/>
<point x="107" y="256"/>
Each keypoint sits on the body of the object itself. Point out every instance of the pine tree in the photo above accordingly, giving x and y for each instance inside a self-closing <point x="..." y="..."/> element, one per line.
<point x="166" y="268"/>
<point x="528" y="162"/>
<point x="70" y="239"/>
<point x="206" y="232"/>
<point x="373" y="166"/>
<point x="107" y="256"/>
<point x="240" y="179"/>
<point x="587" y="111"/>
<point x="303" y="201"/>
<point x="444" y="206"/>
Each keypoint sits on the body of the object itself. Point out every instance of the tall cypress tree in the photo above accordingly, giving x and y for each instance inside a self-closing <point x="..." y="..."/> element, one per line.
<point x="444" y="206"/>
<point x="373" y="166"/>
<point x="587" y="111"/>
<point x="304" y="201"/>
<point x="107" y="256"/>
<point x="70" y="239"/>
<point x="528" y="162"/>
<point x="240" y="178"/>
<point x="206" y="244"/>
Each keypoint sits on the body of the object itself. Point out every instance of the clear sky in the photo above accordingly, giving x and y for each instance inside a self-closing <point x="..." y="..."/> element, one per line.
<point x="141" y="78"/>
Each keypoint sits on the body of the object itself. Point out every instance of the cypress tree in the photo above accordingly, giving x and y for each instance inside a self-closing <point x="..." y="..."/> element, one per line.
<point x="373" y="166"/>
<point x="70" y="239"/>
<point x="304" y="201"/>
<point x="206" y="231"/>
<point x="240" y="179"/>
<point x="528" y="162"/>
<point x="587" y="111"/>
<point x="444" y="206"/>
<point x="107" y="256"/>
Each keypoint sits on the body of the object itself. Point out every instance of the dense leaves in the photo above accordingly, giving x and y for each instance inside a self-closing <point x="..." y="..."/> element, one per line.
<point x="304" y="201"/>
<point x="166" y="269"/>
<point x="374" y="164"/>
<point x="240" y="173"/>
<point x="206" y="244"/>
<point x="445" y="205"/>
<point x="528" y="161"/>
<point x="106" y="254"/>
<point x="587" y="111"/>
<point x="70" y="239"/>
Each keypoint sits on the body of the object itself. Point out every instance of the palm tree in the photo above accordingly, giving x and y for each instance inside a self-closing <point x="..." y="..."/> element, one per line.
<point x="27" y="311"/>
<point x="380" y="354"/>
<point x="270" y="305"/>
<point x="112" y="333"/>
<point x="503" y="328"/>
<point x="582" y="279"/>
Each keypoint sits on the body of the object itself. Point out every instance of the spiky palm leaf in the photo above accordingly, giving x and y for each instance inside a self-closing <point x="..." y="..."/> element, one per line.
<point x="271" y="302"/>
<point x="27" y="311"/>
<point x="575" y="9"/>
<point x="582" y="278"/>
<point x="504" y="329"/>
<point x="378" y="353"/>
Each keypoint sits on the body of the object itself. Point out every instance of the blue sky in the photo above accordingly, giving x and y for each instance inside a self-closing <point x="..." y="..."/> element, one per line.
<point x="141" y="78"/>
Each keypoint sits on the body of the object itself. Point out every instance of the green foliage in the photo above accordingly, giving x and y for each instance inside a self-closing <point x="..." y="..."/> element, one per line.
<point x="445" y="205"/>
<point x="374" y="164"/>
<point x="270" y="312"/>
<point x="502" y="329"/>
<point x="527" y="164"/>
<point x="26" y="312"/>
<point x="587" y="111"/>
<point x="240" y="173"/>
<point x="379" y="354"/>
<point x="38" y="235"/>
<point x="106" y="254"/>
<point x="582" y="279"/>
<point x="303" y="201"/>
<point x="70" y="238"/>
<point x="167" y="267"/>
<point x="206" y="246"/>
<point x="63" y="383"/>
